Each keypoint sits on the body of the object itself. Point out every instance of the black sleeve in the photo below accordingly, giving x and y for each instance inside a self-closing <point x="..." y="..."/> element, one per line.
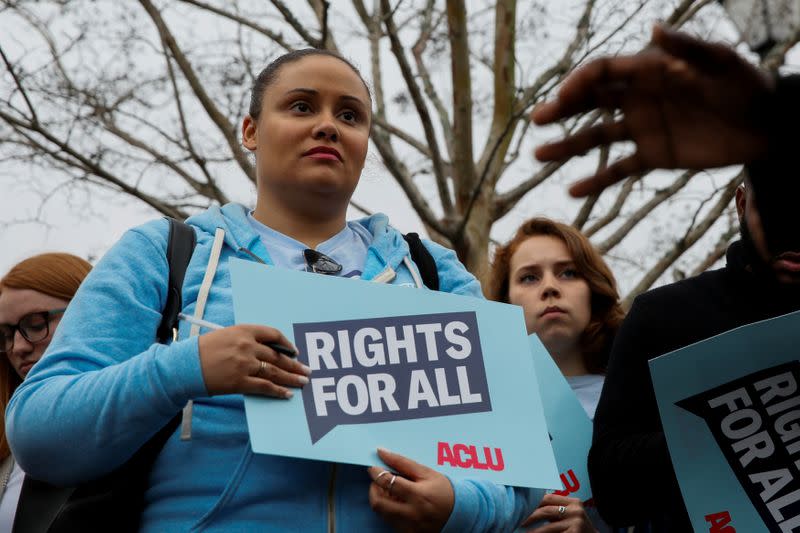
<point x="629" y="465"/>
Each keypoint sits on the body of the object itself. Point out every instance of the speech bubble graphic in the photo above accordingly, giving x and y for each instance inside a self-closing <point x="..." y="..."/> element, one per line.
<point x="391" y="368"/>
<point x="755" y="420"/>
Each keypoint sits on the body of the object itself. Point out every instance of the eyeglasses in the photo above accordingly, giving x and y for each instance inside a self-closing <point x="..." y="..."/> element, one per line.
<point x="320" y="263"/>
<point x="34" y="327"/>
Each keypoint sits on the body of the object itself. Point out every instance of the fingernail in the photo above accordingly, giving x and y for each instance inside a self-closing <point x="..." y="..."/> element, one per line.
<point x="288" y="394"/>
<point x="306" y="369"/>
<point x="380" y="449"/>
<point x="302" y="379"/>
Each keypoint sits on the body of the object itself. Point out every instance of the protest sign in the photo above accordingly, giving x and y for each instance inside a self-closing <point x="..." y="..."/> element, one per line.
<point x="446" y="380"/>
<point x="729" y="407"/>
<point x="569" y="426"/>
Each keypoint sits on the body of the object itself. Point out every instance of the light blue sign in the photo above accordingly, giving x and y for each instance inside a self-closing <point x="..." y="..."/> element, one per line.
<point x="570" y="427"/>
<point x="730" y="407"/>
<point x="443" y="379"/>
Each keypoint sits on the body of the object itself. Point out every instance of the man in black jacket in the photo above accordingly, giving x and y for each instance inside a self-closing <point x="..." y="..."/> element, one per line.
<point x="686" y="104"/>
<point x="629" y="464"/>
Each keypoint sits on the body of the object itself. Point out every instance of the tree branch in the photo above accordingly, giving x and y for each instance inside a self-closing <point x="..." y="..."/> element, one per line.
<point x="683" y="244"/>
<point x="645" y="210"/>
<point x="613" y="213"/>
<point x="263" y="30"/>
<point x="419" y="104"/>
<point x="225" y="127"/>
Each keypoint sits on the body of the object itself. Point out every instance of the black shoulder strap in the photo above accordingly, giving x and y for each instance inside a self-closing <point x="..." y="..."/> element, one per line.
<point x="424" y="261"/>
<point x="118" y="497"/>
<point x="180" y="246"/>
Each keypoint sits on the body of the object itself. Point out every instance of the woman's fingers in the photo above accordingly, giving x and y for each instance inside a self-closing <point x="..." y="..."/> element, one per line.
<point x="387" y="506"/>
<point x="262" y="387"/>
<point x="283" y="362"/>
<point x="392" y="483"/>
<point x="265" y="334"/>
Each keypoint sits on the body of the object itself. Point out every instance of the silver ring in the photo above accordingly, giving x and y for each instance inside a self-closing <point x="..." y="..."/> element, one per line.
<point x="379" y="475"/>
<point x="391" y="484"/>
<point x="561" y="510"/>
<point x="262" y="369"/>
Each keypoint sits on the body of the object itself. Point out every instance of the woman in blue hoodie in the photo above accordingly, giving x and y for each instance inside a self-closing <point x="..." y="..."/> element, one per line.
<point x="105" y="387"/>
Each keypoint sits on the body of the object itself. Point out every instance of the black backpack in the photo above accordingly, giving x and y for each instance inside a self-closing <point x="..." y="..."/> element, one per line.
<point x="115" y="501"/>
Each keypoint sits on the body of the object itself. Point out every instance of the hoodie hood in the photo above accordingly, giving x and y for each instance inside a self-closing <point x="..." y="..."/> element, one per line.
<point x="388" y="247"/>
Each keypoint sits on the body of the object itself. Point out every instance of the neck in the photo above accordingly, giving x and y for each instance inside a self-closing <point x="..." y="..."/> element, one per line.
<point x="309" y="226"/>
<point x="569" y="360"/>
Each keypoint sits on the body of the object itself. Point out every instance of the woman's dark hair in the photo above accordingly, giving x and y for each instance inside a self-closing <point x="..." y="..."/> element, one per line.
<point x="607" y="313"/>
<point x="268" y="76"/>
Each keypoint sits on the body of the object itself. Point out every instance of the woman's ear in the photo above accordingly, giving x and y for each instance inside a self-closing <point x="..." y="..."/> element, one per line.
<point x="249" y="138"/>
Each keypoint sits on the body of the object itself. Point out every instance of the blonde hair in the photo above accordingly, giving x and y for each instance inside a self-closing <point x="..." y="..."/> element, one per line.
<point x="54" y="274"/>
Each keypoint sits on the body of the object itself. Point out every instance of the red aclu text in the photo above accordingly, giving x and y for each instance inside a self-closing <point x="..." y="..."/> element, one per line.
<point x="466" y="456"/>
<point x="719" y="522"/>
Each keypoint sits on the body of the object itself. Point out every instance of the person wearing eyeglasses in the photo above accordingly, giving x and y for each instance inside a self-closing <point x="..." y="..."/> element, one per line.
<point x="33" y="296"/>
<point x="308" y="127"/>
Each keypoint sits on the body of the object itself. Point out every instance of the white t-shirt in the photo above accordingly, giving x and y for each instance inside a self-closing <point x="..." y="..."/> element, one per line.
<point x="8" y="503"/>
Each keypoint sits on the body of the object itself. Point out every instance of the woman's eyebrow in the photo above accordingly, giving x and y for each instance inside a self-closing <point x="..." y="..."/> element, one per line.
<point x="314" y="92"/>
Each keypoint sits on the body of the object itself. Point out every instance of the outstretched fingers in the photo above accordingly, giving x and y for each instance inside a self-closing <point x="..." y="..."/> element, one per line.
<point x="583" y="141"/>
<point x="614" y="173"/>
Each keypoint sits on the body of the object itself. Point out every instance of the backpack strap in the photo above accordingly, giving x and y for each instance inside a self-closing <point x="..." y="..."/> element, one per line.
<point x="90" y="506"/>
<point x="180" y="247"/>
<point x="424" y="261"/>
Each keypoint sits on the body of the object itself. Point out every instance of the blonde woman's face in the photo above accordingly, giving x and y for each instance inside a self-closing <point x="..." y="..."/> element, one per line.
<point x="556" y="299"/>
<point x="15" y="304"/>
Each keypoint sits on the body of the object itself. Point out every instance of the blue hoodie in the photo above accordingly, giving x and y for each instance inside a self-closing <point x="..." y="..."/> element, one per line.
<point x="104" y="388"/>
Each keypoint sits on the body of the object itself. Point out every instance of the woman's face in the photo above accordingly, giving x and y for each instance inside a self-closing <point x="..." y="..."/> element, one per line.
<point x="16" y="304"/>
<point x="555" y="298"/>
<point x="312" y="135"/>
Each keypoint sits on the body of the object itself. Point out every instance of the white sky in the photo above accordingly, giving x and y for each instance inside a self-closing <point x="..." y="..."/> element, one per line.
<point x="87" y="224"/>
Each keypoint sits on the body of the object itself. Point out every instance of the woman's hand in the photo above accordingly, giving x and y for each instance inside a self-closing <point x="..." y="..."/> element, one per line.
<point x="564" y="514"/>
<point x="235" y="360"/>
<point x="416" y="498"/>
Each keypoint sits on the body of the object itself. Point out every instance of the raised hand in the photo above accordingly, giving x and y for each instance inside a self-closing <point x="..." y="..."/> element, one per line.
<point x="684" y="102"/>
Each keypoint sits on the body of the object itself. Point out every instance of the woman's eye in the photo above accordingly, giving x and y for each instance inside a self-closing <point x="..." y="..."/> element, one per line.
<point x="570" y="273"/>
<point x="528" y="278"/>
<point x="349" y="116"/>
<point x="301" y="107"/>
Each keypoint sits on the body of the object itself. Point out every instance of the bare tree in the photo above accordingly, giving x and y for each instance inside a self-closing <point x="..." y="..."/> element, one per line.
<point x="145" y="98"/>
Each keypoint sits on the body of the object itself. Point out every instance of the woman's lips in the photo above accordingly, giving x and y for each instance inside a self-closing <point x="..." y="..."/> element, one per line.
<point x="552" y="311"/>
<point x="323" y="155"/>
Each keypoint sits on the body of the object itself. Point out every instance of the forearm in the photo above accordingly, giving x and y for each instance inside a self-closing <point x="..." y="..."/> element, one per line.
<point x="482" y="506"/>
<point x="104" y="415"/>
<point x="621" y="467"/>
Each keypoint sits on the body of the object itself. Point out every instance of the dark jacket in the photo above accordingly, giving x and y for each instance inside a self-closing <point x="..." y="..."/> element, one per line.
<point x="629" y="465"/>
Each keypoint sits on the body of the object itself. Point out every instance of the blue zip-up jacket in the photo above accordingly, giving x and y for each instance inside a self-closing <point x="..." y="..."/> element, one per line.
<point x="104" y="388"/>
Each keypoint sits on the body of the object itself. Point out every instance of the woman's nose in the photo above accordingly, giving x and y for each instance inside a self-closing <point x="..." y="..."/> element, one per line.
<point x="326" y="128"/>
<point x="550" y="287"/>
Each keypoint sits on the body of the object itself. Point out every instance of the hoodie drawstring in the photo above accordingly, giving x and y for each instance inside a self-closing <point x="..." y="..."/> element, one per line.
<point x="202" y="298"/>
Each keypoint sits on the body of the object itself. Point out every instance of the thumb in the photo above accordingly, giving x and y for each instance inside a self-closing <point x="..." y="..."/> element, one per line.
<point x="403" y="465"/>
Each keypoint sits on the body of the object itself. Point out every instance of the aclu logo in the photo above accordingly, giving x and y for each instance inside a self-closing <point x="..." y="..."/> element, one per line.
<point x="467" y="456"/>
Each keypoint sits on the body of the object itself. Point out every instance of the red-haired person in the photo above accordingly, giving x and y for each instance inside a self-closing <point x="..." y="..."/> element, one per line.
<point x="33" y="296"/>
<point x="570" y="301"/>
